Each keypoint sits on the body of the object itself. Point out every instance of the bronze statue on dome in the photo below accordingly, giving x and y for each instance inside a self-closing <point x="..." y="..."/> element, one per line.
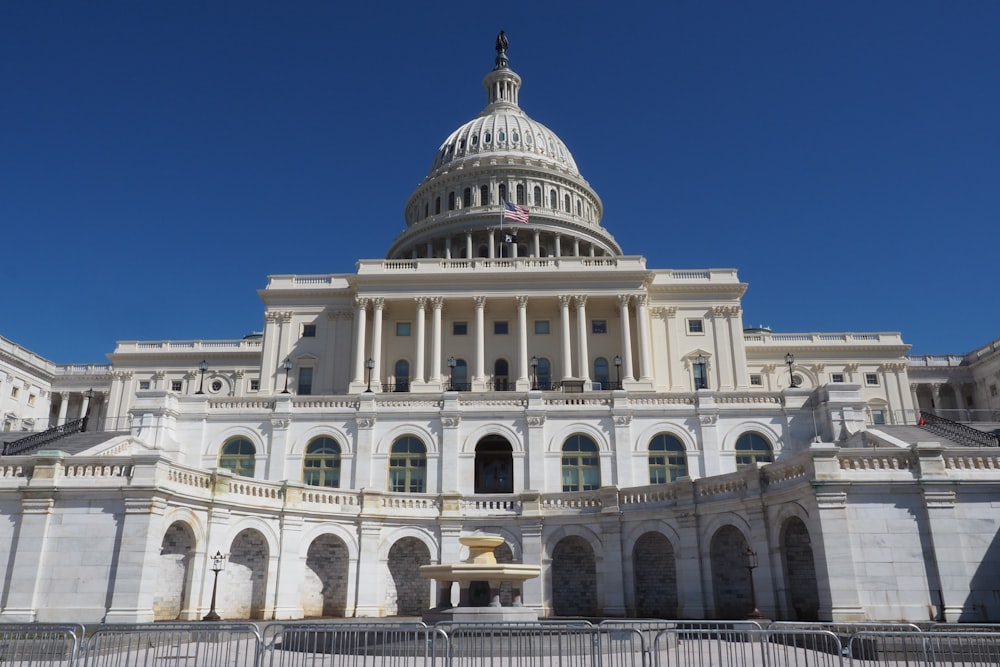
<point x="501" y="50"/>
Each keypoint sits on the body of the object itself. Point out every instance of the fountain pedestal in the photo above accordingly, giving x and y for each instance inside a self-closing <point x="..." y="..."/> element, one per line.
<point x="479" y="578"/>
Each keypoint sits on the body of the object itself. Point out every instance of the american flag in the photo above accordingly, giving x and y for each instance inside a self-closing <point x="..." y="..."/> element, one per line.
<point x="512" y="212"/>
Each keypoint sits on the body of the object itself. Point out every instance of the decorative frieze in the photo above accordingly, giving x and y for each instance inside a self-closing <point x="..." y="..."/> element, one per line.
<point x="365" y="422"/>
<point x="536" y="420"/>
<point x="279" y="423"/>
<point x="623" y="420"/>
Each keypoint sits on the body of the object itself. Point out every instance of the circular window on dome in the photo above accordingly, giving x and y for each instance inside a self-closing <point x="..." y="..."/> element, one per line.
<point x="488" y="138"/>
<point x="501" y="136"/>
<point x="515" y="137"/>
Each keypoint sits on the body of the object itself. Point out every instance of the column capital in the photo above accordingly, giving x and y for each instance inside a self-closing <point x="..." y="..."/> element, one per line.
<point x="437" y="302"/>
<point x="564" y="300"/>
<point x="378" y="303"/>
<point x="480" y="301"/>
<point x="641" y="300"/>
<point x="421" y="302"/>
<point x="522" y="301"/>
<point x="580" y="300"/>
<point x="624" y="300"/>
<point x="361" y="302"/>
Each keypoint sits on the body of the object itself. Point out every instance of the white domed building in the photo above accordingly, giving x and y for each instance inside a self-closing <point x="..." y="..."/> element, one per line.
<point x="514" y="375"/>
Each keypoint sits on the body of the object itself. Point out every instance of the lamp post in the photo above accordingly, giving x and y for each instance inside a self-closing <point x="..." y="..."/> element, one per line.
<point x="750" y="562"/>
<point x="702" y="380"/>
<point x="451" y="371"/>
<point x="218" y="565"/>
<point x="534" y="372"/>
<point x="618" y="369"/>
<point x="369" y="365"/>
<point x="790" y="359"/>
<point x="89" y="395"/>
<point x="203" y="366"/>
<point x="287" y="365"/>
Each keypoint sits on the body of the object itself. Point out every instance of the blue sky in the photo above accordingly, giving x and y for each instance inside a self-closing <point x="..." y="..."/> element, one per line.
<point x="159" y="159"/>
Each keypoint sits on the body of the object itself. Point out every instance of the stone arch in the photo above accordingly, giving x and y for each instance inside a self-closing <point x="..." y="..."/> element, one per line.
<point x="801" y="587"/>
<point x="469" y="443"/>
<point x="766" y="430"/>
<point x="574" y="578"/>
<point x="655" y="580"/>
<point x="325" y="584"/>
<point x="244" y="591"/>
<point x="173" y="580"/>
<point x="298" y="445"/>
<point x="384" y="444"/>
<point x="215" y="446"/>
<point x="640" y="445"/>
<point x="600" y="438"/>
<point x="407" y="593"/>
<point x="730" y="577"/>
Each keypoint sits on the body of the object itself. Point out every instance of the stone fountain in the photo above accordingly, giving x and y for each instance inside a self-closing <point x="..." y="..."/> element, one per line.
<point x="479" y="579"/>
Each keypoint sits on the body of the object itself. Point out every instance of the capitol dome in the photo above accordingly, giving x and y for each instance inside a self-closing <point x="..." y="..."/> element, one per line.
<point x="503" y="155"/>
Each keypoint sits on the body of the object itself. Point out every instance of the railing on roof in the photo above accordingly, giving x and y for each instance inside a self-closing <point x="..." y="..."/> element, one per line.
<point x="765" y="338"/>
<point x="252" y="344"/>
<point x="958" y="432"/>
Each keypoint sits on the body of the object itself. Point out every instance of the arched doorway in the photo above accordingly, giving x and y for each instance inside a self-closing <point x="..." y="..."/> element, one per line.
<point x="494" y="466"/>
<point x="730" y="578"/>
<point x="655" y="577"/>
<point x="173" y="575"/>
<point x="800" y="571"/>
<point x="574" y="578"/>
<point x="407" y="593"/>
<point x="245" y="577"/>
<point x="324" y="589"/>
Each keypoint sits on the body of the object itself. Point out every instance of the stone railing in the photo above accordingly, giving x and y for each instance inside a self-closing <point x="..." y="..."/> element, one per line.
<point x="249" y="345"/>
<point x="823" y="339"/>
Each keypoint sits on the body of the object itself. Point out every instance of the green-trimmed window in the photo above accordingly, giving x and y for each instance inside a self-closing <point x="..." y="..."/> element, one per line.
<point x="408" y="466"/>
<point x="667" y="459"/>
<point x="321" y="464"/>
<point x="239" y="456"/>
<point x="752" y="448"/>
<point x="581" y="465"/>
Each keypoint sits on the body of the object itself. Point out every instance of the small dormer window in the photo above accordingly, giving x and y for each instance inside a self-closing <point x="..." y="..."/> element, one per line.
<point x="527" y="139"/>
<point x="475" y="139"/>
<point x="515" y="137"/>
<point x="488" y="138"/>
<point x="461" y="145"/>
<point x="501" y="136"/>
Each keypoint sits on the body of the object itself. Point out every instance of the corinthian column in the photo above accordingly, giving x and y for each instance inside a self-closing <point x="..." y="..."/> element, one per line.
<point x="623" y="314"/>
<point x="437" y="303"/>
<point x="583" y="358"/>
<point x="567" y="360"/>
<point x="418" y="353"/>
<point x="360" y="324"/>
<point x="642" y="321"/>
<point x="480" y="371"/>
<point x="378" y="305"/>
<point x="523" y="382"/>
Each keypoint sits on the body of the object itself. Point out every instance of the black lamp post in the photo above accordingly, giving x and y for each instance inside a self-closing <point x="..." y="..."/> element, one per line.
<point x="451" y="370"/>
<point x="750" y="562"/>
<point x="618" y="369"/>
<point x="790" y="359"/>
<point x="287" y="365"/>
<point x="369" y="365"/>
<point x="203" y="366"/>
<point x="90" y="393"/>
<point x="534" y="372"/>
<point x="702" y="379"/>
<point x="218" y="565"/>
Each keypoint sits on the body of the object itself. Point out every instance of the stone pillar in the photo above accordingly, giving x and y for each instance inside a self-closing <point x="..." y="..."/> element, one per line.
<point x="288" y="573"/>
<point x="480" y="370"/>
<point x="523" y="380"/>
<point x="532" y="551"/>
<point x="692" y="596"/>
<point x="645" y="352"/>
<point x="567" y="362"/>
<point x="611" y="578"/>
<point x="28" y="555"/>
<point x="447" y="248"/>
<point x="364" y="425"/>
<point x="832" y="551"/>
<point x="451" y="477"/>
<point x="418" y="354"/>
<point x="623" y="315"/>
<point x="583" y="356"/>
<point x="538" y="243"/>
<point x="468" y="245"/>
<point x="437" y="303"/>
<point x="491" y="251"/>
<point x="576" y="247"/>
<point x="135" y="570"/>
<point x="63" y="407"/>
<point x="378" y="305"/>
<point x="558" y="245"/>
<point x="85" y="406"/>
<point x="281" y="419"/>
<point x="371" y="569"/>
<point x="360" y="324"/>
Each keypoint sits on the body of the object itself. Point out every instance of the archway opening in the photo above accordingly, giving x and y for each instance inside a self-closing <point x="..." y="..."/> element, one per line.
<point x="800" y="571"/>
<point x="324" y="588"/>
<point x="174" y="572"/>
<point x="655" y="577"/>
<point x="494" y="465"/>
<point x="730" y="577"/>
<point x="407" y="593"/>
<point x="574" y="578"/>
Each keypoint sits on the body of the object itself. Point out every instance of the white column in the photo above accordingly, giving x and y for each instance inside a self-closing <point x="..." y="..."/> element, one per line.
<point x="623" y="314"/>
<point x="558" y="245"/>
<point x="360" y="324"/>
<point x="567" y="360"/>
<point x="447" y="248"/>
<point x="538" y="243"/>
<point x="86" y="404"/>
<point x="480" y="371"/>
<point x="491" y="251"/>
<point x="378" y="304"/>
<point x="523" y="381"/>
<point x="63" y="407"/>
<point x="468" y="245"/>
<point x="576" y="247"/>
<point x="436" y="304"/>
<point x="583" y="358"/>
<point x="642" y="321"/>
<point x="418" y="353"/>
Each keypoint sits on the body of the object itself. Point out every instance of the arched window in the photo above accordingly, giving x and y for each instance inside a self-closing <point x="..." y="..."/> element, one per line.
<point x="321" y="464"/>
<point x="437" y="206"/>
<point x="543" y="374"/>
<point x="601" y="372"/>
<point x="520" y="195"/>
<point x="578" y="210"/>
<point x="566" y="204"/>
<point x="238" y="456"/>
<point x="538" y="196"/>
<point x="553" y="199"/>
<point x="402" y="375"/>
<point x="503" y="192"/>
<point x="467" y="198"/>
<point x="752" y="448"/>
<point x="667" y="459"/>
<point x="484" y="195"/>
<point x="408" y="466"/>
<point x="451" y="201"/>
<point x="581" y="466"/>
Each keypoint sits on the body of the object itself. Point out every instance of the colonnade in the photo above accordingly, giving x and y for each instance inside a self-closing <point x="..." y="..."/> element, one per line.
<point x="369" y="346"/>
<point x="494" y="239"/>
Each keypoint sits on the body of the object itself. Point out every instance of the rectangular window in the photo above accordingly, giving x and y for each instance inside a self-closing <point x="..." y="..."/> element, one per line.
<point x="305" y="381"/>
<point x="599" y="326"/>
<point x="176" y="385"/>
<point x="255" y="385"/>
<point x="878" y="416"/>
<point x="31" y="400"/>
<point x="871" y="379"/>
<point x="696" y="326"/>
<point x="460" y="328"/>
<point x="500" y="328"/>
<point x="836" y="377"/>
<point x="14" y="391"/>
<point x="308" y="330"/>
<point x="403" y="328"/>
<point x="756" y="380"/>
<point x="143" y="385"/>
<point x="541" y="327"/>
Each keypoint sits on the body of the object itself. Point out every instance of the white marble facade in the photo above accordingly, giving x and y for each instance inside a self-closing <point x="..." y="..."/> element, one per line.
<point x="615" y="423"/>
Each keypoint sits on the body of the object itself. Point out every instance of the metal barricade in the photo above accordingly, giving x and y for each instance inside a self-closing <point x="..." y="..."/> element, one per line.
<point x="940" y="649"/>
<point x="843" y="630"/>
<point x="349" y="643"/>
<point x="742" y="647"/>
<point x="964" y="627"/>
<point x="568" y="644"/>
<point x="173" y="645"/>
<point x="30" y="644"/>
